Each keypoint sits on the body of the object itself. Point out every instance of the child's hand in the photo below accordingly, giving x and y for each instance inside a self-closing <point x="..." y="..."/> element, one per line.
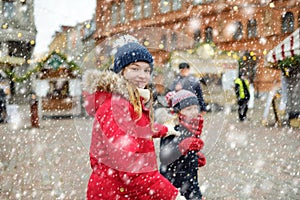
<point x="190" y="144"/>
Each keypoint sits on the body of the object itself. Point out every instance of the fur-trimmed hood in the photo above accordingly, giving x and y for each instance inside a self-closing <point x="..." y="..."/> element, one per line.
<point x="105" y="81"/>
<point x="98" y="84"/>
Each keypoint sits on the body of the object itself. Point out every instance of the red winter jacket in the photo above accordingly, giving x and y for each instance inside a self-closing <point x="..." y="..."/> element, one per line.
<point x="122" y="151"/>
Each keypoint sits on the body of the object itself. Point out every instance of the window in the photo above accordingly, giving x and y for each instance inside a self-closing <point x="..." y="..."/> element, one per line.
<point x="164" y="41"/>
<point x="208" y="34"/>
<point x="25" y="12"/>
<point x="165" y="6"/>
<point x="176" y="5"/>
<point x="137" y="9"/>
<point x="288" y="23"/>
<point x="168" y="5"/>
<point x="114" y="14"/>
<point x="122" y="12"/>
<point x="19" y="49"/>
<point x="197" y="36"/>
<point x="299" y="20"/>
<point x="147" y="8"/>
<point x="199" y="2"/>
<point x="9" y="9"/>
<point x="252" y="28"/>
<point x="173" y="40"/>
<point x="118" y="13"/>
<point x="238" y="34"/>
<point x="59" y="89"/>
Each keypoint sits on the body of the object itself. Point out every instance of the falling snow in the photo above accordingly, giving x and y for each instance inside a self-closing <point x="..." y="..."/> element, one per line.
<point x="245" y="160"/>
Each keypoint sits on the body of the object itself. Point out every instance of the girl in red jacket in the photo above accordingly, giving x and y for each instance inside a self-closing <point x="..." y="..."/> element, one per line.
<point x="122" y="151"/>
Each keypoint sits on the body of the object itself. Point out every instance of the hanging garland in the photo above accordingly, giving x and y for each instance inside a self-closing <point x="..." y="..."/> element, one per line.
<point x="288" y="64"/>
<point x="12" y="75"/>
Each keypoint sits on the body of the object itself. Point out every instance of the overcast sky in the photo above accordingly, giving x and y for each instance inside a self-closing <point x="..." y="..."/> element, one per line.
<point x="51" y="14"/>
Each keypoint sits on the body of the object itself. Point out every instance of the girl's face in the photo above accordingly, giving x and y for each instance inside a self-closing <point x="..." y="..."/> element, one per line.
<point x="190" y="112"/>
<point x="138" y="73"/>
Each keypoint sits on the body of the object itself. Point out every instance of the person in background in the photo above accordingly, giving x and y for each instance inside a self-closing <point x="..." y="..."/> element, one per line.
<point x="180" y="154"/>
<point x="122" y="152"/>
<point x="159" y="93"/>
<point x="3" y="112"/>
<point x="243" y="95"/>
<point x="188" y="82"/>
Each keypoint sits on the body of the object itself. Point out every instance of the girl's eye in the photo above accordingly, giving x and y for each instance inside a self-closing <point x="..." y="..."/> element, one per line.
<point x="148" y="71"/>
<point x="134" y="69"/>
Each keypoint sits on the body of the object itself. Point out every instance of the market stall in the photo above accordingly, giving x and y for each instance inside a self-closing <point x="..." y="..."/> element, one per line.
<point x="286" y="57"/>
<point x="57" y="86"/>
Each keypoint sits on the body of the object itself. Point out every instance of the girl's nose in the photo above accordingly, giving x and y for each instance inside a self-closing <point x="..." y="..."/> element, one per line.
<point x="143" y="74"/>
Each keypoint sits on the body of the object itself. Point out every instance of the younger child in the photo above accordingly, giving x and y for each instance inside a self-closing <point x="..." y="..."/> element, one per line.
<point x="179" y="154"/>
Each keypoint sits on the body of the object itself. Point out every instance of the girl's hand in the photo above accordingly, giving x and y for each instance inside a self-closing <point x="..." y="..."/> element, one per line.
<point x="159" y="131"/>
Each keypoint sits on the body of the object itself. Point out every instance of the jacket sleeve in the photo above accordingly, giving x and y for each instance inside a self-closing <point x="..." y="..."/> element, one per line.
<point x="169" y="147"/>
<point x="199" y="94"/>
<point x="169" y="150"/>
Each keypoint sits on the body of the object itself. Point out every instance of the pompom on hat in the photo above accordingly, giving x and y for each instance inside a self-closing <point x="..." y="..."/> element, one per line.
<point x="130" y="53"/>
<point x="181" y="100"/>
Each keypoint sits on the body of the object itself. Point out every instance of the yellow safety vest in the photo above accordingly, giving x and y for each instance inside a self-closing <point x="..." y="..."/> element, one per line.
<point x="241" y="90"/>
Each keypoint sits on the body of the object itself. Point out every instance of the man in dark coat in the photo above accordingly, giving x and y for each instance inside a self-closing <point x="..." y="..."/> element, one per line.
<point x="188" y="82"/>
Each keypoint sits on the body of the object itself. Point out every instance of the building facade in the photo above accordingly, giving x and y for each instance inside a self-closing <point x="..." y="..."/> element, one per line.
<point x="74" y="41"/>
<point x="248" y="29"/>
<point x="17" y="38"/>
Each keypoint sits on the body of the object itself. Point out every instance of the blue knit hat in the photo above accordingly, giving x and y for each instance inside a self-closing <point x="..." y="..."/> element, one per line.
<point x="130" y="53"/>
<point x="183" y="99"/>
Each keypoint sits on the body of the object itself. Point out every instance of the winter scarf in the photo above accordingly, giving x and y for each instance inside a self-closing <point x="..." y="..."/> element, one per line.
<point x="194" y="125"/>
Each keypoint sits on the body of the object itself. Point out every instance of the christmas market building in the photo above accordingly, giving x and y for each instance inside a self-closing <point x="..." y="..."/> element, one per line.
<point x="57" y="86"/>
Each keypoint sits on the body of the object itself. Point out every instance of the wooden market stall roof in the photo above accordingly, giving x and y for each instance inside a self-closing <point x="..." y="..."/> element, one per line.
<point x="56" y="65"/>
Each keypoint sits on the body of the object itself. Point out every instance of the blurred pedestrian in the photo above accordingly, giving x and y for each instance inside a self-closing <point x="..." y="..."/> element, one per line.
<point x="180" y="154"/>
<point x="3" y="112"/>
<point x="159" y="93"/>
<point x="188" y="82"/>
<point x="122" y="152"/>
<point x="243" y="95"/>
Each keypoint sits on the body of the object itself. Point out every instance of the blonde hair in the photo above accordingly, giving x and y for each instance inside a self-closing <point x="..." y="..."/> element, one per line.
<point x="134" y="99"/>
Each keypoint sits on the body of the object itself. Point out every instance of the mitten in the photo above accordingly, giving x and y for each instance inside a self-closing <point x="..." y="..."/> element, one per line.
<point x="190" y="144"/>
<point x="201" y="159"/>
<point x="159" y="131"/>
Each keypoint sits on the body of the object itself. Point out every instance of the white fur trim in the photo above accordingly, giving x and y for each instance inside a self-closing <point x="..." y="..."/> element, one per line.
<point x="145" y="93"/>
<point x="162" y="116"/>
<point x="106" y="81"/>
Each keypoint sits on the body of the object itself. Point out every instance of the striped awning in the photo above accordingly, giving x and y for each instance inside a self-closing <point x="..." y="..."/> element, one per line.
<point x="290" y="46"/>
